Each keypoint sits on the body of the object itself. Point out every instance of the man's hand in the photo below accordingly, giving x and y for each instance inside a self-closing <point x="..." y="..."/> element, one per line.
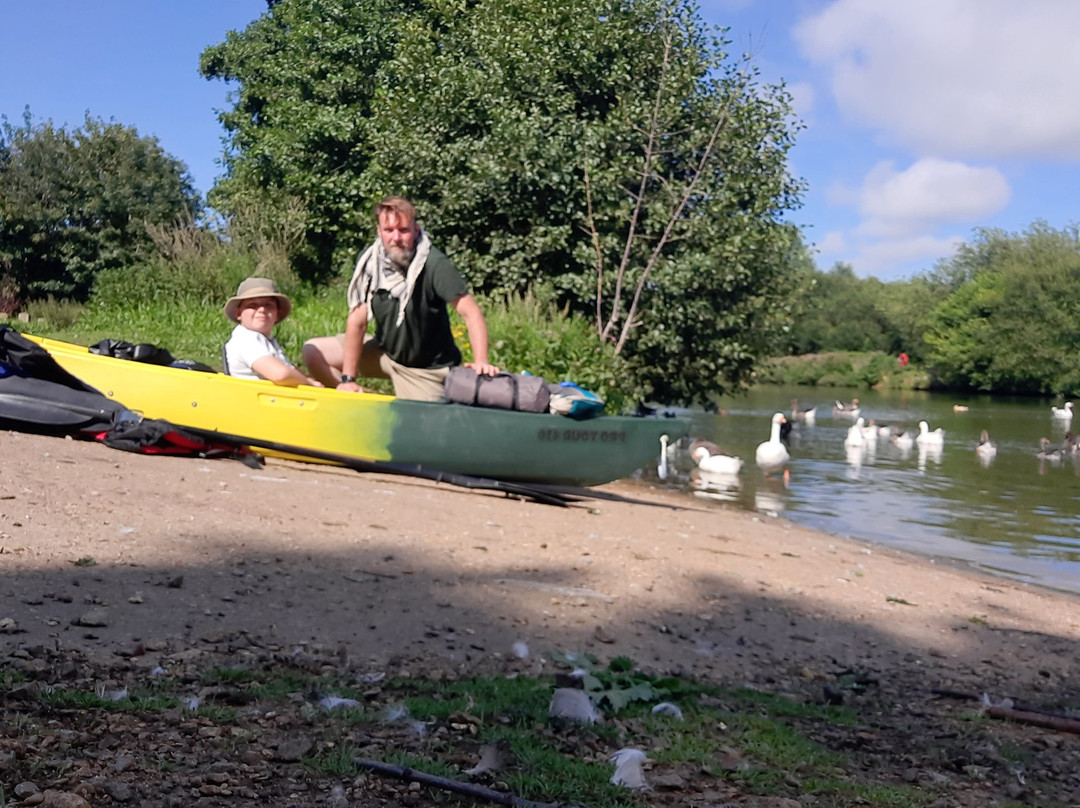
<point x="482" y="368"/>
<point x="350" y="387"/>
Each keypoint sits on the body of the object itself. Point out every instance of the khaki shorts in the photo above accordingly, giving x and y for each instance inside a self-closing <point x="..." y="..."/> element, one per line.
<point x="417" y="384"/>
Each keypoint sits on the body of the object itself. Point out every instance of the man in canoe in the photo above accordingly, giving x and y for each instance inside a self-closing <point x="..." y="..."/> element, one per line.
<point x="251" y="352"/>
<point x="405" y="284"/>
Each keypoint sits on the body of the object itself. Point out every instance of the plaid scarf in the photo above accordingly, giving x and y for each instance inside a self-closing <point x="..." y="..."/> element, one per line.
<point x="375" y="271"/>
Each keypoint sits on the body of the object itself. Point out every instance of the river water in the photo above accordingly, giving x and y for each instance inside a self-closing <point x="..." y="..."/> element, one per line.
<point x="1016" y="516"/>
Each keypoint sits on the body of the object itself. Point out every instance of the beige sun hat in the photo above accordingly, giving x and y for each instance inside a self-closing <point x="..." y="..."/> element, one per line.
<point x="257" y="287"/>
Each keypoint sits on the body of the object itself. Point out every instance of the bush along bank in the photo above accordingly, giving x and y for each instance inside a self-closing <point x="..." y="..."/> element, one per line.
<point x="845" y="369"/>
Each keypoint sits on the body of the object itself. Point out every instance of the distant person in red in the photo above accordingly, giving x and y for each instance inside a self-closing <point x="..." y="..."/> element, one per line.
<point x="902" y="359"/>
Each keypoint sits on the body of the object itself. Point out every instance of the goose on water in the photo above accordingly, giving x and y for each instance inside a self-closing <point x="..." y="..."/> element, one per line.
<point x="1062" y="413"/>
<point x="805" y="416"/>
<point x="1046" y="453"/>
<point x="772" y="454"/>
<point x="851" y="410"/>
<point x="985" y="450"/>
<point x="872" y="431"/>
<point x="711" y="458"/>
<point x="856" y="436"/>
<point x="900" y="439"/>
<point x="926" y="437"/>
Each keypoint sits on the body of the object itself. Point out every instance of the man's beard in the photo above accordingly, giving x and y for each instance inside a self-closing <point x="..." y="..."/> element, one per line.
<point x="400" y="258"/>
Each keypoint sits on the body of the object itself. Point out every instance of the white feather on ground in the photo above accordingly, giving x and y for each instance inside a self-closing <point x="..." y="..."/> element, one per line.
<point x="667" y="708"/>
<point x="493" y="758"/>
<point x="628" y="771"/>
<point x="572" y="704"/>
<point x="333" y="702"/>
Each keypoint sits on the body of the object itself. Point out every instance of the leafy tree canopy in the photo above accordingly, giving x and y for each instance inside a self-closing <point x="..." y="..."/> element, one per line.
<point x="1012" y="325"/>
<point x="75" y="202"/>
<point x="838" y="311"/>
<point x="611" y="148"/>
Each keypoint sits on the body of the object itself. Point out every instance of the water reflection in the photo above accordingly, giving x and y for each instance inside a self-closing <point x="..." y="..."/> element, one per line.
<point x="771" y="498"/>
<point x="854" y="455"/>
<point x="719" y="486"/>
<point x="1003" y="510"/>
<point x="931" y="452"/>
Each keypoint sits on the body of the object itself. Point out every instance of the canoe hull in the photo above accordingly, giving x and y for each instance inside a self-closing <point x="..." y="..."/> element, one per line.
<point x="500" y="444"/>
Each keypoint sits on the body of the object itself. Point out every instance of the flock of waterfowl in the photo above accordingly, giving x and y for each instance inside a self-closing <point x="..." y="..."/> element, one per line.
<point x="863" y="435"/>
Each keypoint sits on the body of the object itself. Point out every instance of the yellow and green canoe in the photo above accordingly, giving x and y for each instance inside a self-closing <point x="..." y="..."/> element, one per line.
<point x="327" y="424"/>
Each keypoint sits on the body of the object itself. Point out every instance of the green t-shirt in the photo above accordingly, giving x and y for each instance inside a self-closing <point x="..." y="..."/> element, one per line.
<point x="423" y="340"/>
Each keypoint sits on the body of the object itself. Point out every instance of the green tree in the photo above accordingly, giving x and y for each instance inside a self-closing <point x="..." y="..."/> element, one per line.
<point x="842" y="312"/>
<point x="74" y="203"/>
<point x="298" y="130"/>
<point x="610" y="149"/>
<point x="1013" y="322"/>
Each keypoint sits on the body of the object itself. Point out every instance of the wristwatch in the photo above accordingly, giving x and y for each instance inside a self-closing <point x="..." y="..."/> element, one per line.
<point x="345" y="377"/>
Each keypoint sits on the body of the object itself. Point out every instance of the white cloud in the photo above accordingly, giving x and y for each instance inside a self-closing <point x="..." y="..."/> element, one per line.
<point x="930" y="192"/>
<point x="886" y="259"/>
<point x="834" y="242"/>
<point x="987" y="78"/>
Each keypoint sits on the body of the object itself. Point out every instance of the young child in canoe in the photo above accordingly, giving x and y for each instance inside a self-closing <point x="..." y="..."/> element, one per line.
<point x="251" y="353"/>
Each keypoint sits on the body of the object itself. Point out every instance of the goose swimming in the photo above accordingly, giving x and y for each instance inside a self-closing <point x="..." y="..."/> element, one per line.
<point x="901" y="440"/>
<point x="1046" y="453"/>
<point x="711" y="458"/>
<point x="928" y="438"/>
<point x="1062" y="413"/>
<point x="856" y="436"/>
<point x="985" y="450"/>
<point x="772" y="454"/>
<point x="805" y="416"/>
<point x="851" y="410"/>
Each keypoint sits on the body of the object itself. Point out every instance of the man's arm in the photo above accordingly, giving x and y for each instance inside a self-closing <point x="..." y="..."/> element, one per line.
<point x="355" y="326"/>
<point x="475" y="324"/>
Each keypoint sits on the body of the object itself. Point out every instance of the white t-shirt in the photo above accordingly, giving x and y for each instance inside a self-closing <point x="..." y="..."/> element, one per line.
<point x="245" y="347"/>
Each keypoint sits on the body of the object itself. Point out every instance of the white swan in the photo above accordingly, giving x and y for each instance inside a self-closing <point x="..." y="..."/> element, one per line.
<point x="772" y="454"/>
<point x="856" y="437"/>
<point x="1062" y="413"/>
<point x="712" y="459"/>
<point x="928" y="438"/>
<point x="985" y="450"/>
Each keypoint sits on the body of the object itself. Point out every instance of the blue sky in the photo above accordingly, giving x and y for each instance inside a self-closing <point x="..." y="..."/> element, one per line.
<point x="924" y="119"/>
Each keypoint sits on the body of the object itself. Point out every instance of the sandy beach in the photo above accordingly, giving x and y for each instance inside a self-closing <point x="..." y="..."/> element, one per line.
<point x="100" y="550"/>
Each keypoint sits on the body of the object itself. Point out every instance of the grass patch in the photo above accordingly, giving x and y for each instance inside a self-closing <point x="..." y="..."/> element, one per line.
<point x="741" y="742"/>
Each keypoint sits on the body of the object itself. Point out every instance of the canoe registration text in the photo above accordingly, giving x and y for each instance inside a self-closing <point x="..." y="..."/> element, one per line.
<point x="583" y="435"/>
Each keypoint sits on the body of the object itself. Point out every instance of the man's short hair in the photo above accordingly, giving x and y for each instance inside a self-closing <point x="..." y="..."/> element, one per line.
<point x="397" y="206"/>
